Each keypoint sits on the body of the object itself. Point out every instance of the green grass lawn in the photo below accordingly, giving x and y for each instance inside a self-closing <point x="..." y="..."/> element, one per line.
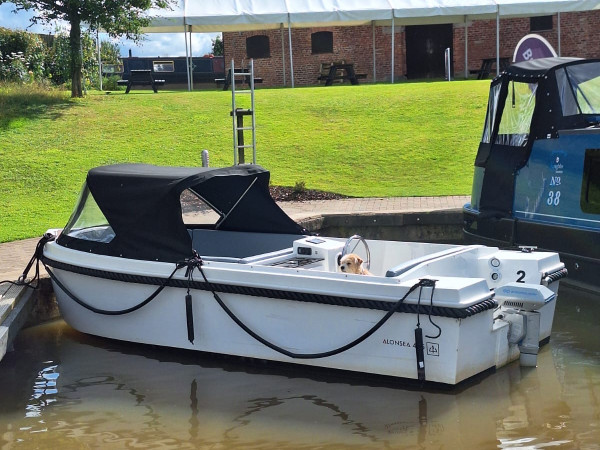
<point x="406" y="139"/>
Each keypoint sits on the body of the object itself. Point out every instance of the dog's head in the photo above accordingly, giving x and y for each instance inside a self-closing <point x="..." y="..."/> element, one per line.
<point x="351" y="263"/>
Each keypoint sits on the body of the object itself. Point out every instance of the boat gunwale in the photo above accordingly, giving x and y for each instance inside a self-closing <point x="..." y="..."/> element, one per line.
<point x="483" y="304"/>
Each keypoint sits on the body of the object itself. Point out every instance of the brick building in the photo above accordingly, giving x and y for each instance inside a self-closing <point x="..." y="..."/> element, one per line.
<point x="419" y="49"/>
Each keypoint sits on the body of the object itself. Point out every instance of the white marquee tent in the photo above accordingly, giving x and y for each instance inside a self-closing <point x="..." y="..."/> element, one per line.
<point x="203" y="16"/>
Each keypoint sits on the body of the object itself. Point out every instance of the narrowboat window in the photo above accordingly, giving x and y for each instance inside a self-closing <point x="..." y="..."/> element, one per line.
<point x="491" y="114"/>
<point x="579" y="88"/>
<point x="258" y="47"/>
<point x="590" y="187"/>
<point x="517" y="113"/>
<point x="196" y="211"/>
<point x="163" y="66"/>
<point x="87" y="221"/>
<point x="565" y="93"/>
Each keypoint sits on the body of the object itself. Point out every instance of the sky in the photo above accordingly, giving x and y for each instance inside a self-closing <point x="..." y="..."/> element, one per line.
<point x="156" y="44"/>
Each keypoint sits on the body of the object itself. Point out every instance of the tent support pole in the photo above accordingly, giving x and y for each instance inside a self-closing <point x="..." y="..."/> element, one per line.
<point x="374" y="65"/>
<point x="466" y="49"/>
<point x="291" y="57"/>
<point x="393" y="47"/>
<point x="283" y="53"/>
<point x="191" y="61"/>
<point x="558" y="26"/>
<point x="498" y="43"/>
<point x="99" y="44"/>
<point x="187" y="58"/>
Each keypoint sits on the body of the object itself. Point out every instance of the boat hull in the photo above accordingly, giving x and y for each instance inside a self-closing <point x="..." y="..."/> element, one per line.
<point x="302" y="311"/>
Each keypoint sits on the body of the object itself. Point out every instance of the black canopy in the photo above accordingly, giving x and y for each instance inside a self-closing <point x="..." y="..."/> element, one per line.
<point x="141" y="203"/>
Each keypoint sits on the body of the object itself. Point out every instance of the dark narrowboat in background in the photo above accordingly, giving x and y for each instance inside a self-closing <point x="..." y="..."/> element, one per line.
<point x="173" y="69"/>
<point x="537" y="170"/>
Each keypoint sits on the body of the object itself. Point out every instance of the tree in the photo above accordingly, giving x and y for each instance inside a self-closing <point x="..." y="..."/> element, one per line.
<point x="110" y="52"/>
<point x="117" y="18"/>
<point x="58" y="63"/>
<point x="217" y="44"/>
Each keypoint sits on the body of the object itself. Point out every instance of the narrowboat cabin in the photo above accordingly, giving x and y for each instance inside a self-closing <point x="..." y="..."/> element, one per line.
<point x="173" y="69"/>
<point x="537" y="171"/>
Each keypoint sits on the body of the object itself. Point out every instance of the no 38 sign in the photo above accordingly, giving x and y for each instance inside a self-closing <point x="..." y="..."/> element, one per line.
<point x="553" y="198"/>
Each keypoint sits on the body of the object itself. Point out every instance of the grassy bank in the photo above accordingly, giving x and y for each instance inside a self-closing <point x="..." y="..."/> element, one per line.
<point x="406" y="139"/>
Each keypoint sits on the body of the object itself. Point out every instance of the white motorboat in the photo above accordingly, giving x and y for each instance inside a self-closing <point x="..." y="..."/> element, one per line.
<point x="237" y="276"/>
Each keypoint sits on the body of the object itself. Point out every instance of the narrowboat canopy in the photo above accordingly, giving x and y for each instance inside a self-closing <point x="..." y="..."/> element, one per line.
<point x="532" y="100"/>
<point x="134" y="210"/>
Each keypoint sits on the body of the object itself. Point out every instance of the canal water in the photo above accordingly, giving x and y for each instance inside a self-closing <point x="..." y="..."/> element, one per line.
<point x="63" y="389"/>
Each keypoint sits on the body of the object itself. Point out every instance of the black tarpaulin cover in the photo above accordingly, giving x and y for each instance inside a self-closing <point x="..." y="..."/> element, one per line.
<point x="141" y="203"/>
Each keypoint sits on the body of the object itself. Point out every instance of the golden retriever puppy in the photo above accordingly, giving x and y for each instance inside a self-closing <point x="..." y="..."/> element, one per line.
<point x="352" y="263"/>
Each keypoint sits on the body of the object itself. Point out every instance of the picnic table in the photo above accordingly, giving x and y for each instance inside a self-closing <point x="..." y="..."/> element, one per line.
<point x="245" y="78"/>
<point x="341" y="72"/>
<point x="487" y="64"/>
<point x="141" y="78"/>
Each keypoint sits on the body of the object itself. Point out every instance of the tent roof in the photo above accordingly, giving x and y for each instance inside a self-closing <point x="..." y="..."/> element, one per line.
<point x="241" y="15"/>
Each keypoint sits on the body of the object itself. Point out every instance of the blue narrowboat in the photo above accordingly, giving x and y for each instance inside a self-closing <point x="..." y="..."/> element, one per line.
<point x="537" y="171"/>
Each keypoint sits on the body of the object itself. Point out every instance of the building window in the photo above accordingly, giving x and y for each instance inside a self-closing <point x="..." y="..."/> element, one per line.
<point x="322" y="42"/>
<point x="163" y="66"/>
<point x="258" y="47"/>
<point x="590" y="186"/>
<point x="540" y="23"/>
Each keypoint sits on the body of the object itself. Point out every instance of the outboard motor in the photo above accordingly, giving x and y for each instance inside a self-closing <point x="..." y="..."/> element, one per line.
<point x="521" y="302"/>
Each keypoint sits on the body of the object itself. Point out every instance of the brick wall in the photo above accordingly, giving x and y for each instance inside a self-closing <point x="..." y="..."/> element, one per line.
<point x="580" y="36"/>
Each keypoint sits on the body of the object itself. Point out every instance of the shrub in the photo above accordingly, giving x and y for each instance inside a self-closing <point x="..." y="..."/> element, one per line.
<point x="22" y="56"/>
<point x="110" y="83"/>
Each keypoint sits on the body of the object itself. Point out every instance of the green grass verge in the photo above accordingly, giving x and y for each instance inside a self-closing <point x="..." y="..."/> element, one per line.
<point x="408" y="139"/>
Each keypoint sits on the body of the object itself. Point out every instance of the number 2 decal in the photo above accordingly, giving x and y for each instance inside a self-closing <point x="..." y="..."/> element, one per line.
<point x="521" y="274"/>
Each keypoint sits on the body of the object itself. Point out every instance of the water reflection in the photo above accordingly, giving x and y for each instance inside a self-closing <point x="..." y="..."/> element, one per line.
<point x="62" y="388"/>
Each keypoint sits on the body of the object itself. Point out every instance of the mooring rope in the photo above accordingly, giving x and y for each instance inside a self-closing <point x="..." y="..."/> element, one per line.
<point x="294" y="355"/>
<point x="35" y="259"/>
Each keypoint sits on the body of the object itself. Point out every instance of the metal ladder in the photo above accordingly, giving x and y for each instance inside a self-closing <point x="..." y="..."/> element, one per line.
<point x="238" y="114"/>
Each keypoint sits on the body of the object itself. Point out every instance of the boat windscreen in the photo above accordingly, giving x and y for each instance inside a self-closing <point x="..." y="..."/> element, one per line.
<point x="516" y="117"/>
<point x="490" y="117"/>
<point x="579" y="88"/>
<point x="87" y="221"/>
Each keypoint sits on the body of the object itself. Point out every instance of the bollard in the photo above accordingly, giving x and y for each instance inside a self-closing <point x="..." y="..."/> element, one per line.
<point x="205" y="160"/>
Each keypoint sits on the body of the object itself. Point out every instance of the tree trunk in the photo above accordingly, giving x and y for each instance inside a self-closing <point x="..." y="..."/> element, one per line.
<point x="76" y="58"/>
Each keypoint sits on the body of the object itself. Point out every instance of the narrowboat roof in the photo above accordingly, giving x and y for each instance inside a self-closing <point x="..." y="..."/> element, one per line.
<point x="539" y="67"/>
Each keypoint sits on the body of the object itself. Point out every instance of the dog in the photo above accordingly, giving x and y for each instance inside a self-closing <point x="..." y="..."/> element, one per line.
<point x="352" y="263"/>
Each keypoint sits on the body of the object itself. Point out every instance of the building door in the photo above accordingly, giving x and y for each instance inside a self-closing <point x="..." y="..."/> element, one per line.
<point x="425" y="47"/>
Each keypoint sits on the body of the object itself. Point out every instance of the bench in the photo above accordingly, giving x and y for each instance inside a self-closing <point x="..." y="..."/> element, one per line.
<point x="340" y="71"/>
<point x="141" y="78"/>
<point x="487" y="64"/>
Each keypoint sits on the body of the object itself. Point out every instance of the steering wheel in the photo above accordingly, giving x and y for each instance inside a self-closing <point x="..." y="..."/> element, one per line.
<point x="347" y="249"/>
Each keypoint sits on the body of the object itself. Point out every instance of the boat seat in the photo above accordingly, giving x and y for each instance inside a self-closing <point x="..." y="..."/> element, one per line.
<point x="250" y="259"/>
<point x="238" y="246"/>
<point x="406" y="266"/>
